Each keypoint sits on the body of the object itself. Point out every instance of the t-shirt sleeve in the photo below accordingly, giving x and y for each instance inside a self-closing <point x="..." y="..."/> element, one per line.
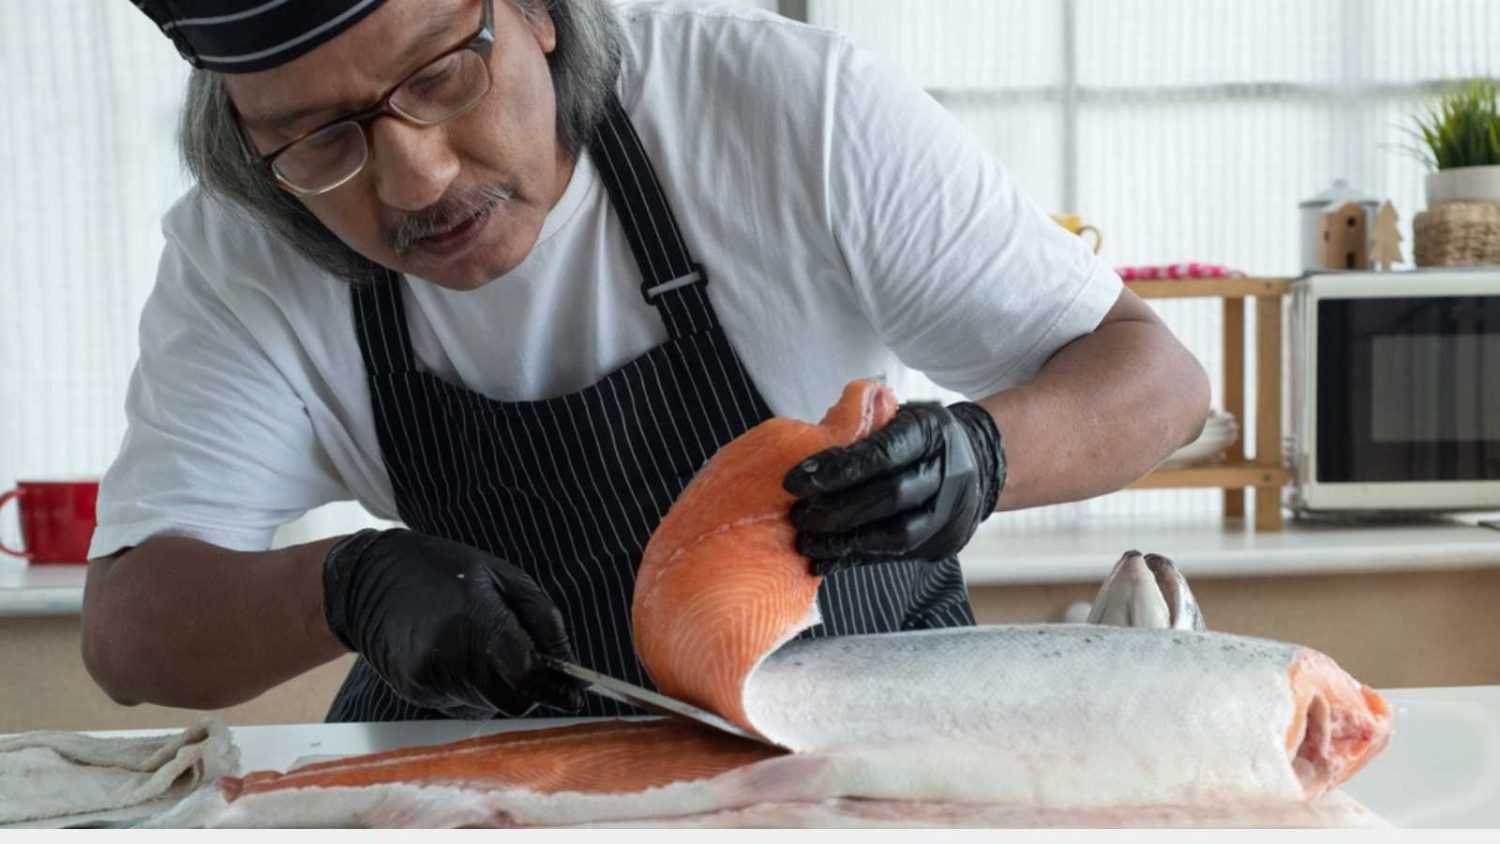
<point x="218" y="445"/>
<point x="963" y="277"/>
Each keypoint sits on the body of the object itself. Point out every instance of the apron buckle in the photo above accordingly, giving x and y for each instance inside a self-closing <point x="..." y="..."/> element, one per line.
<point x="697" y="276"/>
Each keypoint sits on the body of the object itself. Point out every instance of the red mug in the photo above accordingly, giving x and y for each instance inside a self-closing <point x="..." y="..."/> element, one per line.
<point x="57" y="520"/>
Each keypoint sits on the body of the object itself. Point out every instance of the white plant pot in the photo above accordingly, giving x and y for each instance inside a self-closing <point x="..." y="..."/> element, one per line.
<point x="1464" y="184"/>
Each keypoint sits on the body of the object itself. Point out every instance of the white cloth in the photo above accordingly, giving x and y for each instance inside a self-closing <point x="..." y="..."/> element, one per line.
<point x="850" y="227"/>
<point x="52" y="774"/>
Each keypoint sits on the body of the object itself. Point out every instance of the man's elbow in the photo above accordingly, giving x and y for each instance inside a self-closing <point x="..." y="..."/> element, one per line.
<point x="102" y="639"/>
<point x="1196" y="397"/>
<point x="96" y="662"/>
<point x="1174" y="391"/>
<point x="123" y="670"/>
<point x="121" y="644"/>
<point x="1172" y="386"/>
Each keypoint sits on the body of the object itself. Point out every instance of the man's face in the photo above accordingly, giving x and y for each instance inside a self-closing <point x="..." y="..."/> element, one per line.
<point x="413" y="206"/>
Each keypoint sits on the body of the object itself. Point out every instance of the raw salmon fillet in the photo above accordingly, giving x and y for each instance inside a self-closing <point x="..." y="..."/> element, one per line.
<point x="609" y="757"/>
<point x="608" y="770"/>
<point x="1028" y="725"/>
<point x="721" y="583"/>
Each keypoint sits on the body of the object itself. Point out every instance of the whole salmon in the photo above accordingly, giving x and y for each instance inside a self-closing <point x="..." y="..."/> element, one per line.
<point x="1006" y="725"/>
<point x="1048" y="715"/>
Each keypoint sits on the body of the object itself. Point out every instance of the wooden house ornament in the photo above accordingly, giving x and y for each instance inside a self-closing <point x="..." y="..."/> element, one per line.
<point x="1343" y="243"/>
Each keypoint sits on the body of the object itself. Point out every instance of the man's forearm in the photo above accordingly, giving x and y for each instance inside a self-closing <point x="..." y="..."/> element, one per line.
<point x="1102" y="412"/>
<point x="179" y="622"/>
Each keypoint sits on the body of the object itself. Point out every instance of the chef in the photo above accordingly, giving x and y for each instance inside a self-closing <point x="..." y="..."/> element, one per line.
<point x="508" y="272"/>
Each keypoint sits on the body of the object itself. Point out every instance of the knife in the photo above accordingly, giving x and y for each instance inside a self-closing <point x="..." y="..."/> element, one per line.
<point x="619" y="690"/>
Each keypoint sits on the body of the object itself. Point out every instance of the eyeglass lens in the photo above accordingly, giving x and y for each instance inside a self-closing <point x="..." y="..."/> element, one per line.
<point x="442" y="90"/>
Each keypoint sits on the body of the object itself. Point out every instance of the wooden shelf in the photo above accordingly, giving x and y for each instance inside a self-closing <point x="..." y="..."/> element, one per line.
<point x="1226" y="476"/>
<point x="1218" y="288"/>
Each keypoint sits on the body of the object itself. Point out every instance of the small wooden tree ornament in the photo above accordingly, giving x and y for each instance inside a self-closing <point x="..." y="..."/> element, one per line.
<point x="1386" y="248"/>
<point x="1342" y="242"/>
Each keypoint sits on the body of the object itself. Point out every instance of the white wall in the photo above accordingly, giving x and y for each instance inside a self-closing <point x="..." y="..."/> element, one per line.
<point x="87" y="166"/>
<point x="1186" y="129"/>
<point x="88" y="161"/>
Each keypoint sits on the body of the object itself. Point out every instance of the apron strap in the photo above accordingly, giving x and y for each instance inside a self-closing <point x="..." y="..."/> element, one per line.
<point x="380" y="318"/>
<point x="671" y="281"/>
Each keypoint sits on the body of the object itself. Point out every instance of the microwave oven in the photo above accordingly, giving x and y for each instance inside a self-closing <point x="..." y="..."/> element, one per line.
<point x="1395" y="391"/>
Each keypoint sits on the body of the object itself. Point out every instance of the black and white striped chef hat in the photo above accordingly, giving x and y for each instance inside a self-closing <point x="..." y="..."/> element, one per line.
<point x="243" y="36"/>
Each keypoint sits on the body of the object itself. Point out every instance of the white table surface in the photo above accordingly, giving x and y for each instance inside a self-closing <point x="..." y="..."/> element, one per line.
<point x="1442" y="768"/>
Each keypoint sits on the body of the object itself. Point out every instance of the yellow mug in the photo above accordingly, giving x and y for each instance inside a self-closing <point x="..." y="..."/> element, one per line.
<point x="1076" y="225"/>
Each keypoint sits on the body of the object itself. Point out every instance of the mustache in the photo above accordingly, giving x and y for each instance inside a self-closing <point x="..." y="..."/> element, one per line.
<point x="454" y="209"/>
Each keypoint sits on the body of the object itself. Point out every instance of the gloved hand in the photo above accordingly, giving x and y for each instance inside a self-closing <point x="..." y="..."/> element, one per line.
<point x="915" y="489"/>
<point x="449" y="627"/>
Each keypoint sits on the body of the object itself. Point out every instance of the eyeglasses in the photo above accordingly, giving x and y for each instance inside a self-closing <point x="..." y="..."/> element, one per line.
<point x="334" y="153"/>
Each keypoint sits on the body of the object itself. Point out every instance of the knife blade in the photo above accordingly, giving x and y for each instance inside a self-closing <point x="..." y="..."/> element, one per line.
<point x="623" y="692"/>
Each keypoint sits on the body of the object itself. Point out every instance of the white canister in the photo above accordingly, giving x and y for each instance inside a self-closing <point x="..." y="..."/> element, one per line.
<point x="1313" y="209"/>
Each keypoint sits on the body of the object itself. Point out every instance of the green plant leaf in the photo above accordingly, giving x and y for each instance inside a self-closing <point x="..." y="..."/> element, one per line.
<point x="1463" y="128"/>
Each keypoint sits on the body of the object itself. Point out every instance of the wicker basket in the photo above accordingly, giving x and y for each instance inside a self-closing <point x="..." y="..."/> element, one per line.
<point x="1458" y="234"/>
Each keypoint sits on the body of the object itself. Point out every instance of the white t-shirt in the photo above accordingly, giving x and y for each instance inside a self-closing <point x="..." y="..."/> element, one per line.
<point x="849" y="226"/>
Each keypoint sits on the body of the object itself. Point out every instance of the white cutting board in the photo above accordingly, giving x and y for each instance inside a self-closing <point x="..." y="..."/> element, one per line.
<point x="1442" y="768"/>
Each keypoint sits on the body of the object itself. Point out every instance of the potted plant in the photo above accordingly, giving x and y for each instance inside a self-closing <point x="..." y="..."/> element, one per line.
<point x="1461" y="143"/>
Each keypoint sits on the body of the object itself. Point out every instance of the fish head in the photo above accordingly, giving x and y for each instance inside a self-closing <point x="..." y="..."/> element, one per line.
<point x="1146" y="590"/>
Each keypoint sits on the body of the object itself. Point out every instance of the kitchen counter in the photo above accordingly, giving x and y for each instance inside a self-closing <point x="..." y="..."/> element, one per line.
<point x="1442" y="768"/>
<point x="40" y="590"/>
<point x="1000" y="554"/>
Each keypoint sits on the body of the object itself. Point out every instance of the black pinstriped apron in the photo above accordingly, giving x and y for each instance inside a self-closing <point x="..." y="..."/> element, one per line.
<point x="570" y="488"/>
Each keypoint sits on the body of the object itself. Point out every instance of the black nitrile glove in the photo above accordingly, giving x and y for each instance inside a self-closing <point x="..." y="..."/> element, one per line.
<point x="447" y="626"/>
<point x="914" y="490"/>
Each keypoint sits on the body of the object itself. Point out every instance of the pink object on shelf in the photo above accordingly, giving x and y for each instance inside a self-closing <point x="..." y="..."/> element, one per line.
<point x="1166" y="272"/>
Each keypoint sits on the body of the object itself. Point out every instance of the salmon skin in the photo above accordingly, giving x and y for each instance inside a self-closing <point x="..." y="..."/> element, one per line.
<point x="1071" y="715"/>
<point x="1004" y="725"/>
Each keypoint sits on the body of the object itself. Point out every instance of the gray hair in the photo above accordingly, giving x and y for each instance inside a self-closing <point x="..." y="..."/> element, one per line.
<point x="585" y="65"/>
